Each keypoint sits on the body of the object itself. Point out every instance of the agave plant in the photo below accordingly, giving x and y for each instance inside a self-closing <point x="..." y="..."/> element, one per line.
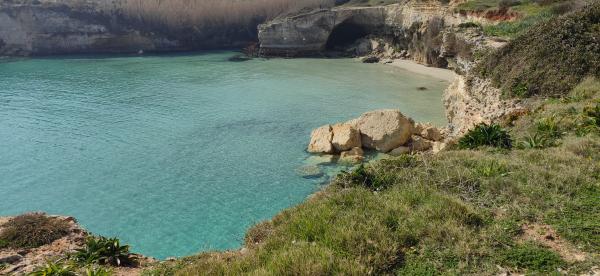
<point x="55" y="269"/>
<point x="486" y="135"/>
<point x="537" y="141"/>
<point x="97" y="271"/>
<point x="103" y="250"/>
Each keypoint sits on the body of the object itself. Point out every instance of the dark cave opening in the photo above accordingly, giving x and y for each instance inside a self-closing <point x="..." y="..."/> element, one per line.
<point x="343" y="35"/>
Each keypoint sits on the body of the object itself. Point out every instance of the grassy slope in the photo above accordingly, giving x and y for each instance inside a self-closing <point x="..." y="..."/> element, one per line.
<point x="458" y="212"/>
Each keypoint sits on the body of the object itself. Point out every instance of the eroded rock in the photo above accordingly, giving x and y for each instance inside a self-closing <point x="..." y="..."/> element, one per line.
<point x="345" y="137"/>
<point x="383" y="130"/>
<point x="420" y="144"/>
<point x="353" y="156"/>
<point x="320" y="140"/>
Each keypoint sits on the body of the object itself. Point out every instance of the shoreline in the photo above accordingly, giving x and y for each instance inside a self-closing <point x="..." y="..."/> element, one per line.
<point x="414" y="67"/>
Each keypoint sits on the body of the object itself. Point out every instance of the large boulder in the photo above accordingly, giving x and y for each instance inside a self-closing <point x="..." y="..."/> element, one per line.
<point x="345" y="137"/>
<point x="383" y="130"/>
<point x="320" y="140"/>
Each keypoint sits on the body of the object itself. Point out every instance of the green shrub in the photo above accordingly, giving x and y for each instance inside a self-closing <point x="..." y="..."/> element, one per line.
<point x="486" y="135"/>
<point x="593" y="112"/>
<point x="469" y="25"/>
<point x="33" y="230"/>
<point x="514" y="28"/>
<point x="101" y="250"/>
<point x="55" y="269"/>
<point x="3" y="244"/>
<point x="532" y="257"/>
<point x="548" y="59"/>
<point x="549" y="126"/>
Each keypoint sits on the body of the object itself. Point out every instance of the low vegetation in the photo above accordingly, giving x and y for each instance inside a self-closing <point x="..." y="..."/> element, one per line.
<point x="101" y="250"/>
<point x="486" y="135"/>
<point x="458" y="212"/>
<point x="550" y="58"/>
<point x="32" y="230"/>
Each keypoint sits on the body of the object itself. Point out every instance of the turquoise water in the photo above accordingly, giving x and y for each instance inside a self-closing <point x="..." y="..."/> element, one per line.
<point x="179" y="154"/>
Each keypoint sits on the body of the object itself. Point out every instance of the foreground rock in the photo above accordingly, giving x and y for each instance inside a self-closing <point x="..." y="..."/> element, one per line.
<point x="386" y="131"/>
<point x="320" y="140"/>
<point x="345" y="137"/>
<point x="383" y="130"/>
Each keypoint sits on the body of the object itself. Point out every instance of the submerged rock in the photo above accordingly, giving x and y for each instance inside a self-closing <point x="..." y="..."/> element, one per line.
<point x="320" y="140"/>
<point x="310" y="171"/>
<point x="345" y="137"/>
<point x="320" y="159"/>
<point x="383" y="130"/>
<point x="370" y="59"/>
<point x="239" y="58"/>
<point x="353" y="156"/>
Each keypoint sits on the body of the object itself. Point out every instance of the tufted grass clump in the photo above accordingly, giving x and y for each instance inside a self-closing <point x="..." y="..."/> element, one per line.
<point x="486" y="135"/>
<point x="32" y="230"/>
<point x="532" y="257"/>
<point x="55" y="269"/>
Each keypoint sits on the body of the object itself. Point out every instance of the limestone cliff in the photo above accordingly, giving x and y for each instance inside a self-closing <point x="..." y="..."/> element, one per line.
<point x="411" y="25"/>
<point x="49" y="27"/>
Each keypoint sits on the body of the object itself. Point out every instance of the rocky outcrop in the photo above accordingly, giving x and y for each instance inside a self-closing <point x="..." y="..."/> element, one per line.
<point x="383" y="130"/>
<point x="23" y="261"/>
<point x="386" y="131"/>
<point x="320" y="140"/>
<point x="345" y="137"/>
<point x="48" y="27"/>
<point x="413" y="26"/>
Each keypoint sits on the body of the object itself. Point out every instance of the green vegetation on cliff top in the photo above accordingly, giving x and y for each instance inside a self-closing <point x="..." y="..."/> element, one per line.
<point x="550" y="58"/>
<point x="483" y="211"/>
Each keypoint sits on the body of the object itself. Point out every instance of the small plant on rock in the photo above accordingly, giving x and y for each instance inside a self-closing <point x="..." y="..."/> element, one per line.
<point x="32" y="230"/>
<point x="486" y="135"/>
<point x="103" y="250"/>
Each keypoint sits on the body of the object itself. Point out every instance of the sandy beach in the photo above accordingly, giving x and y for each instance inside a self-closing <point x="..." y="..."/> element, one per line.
<point x="409" y="65"/>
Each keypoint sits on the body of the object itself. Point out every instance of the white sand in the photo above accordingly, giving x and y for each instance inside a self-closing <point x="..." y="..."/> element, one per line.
<point x="438" y="73"/>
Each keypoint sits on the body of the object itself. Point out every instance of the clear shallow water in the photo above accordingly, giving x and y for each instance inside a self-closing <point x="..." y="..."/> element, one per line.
<point x="179" y="154"/>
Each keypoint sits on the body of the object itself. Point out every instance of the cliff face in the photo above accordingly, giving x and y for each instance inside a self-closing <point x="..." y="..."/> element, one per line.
<point x="48" y="27"/>
<point x="410" y="25"/>
<point x="427" y="31"/>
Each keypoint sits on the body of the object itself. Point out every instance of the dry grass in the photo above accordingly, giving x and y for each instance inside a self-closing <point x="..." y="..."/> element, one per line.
<point x="32" y="230"/>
